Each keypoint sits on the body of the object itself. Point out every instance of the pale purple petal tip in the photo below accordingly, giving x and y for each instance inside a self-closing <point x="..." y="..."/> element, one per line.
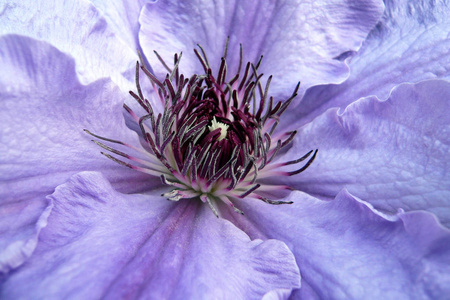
<point x="409" y="44"/>
<point x="77" y="28"/>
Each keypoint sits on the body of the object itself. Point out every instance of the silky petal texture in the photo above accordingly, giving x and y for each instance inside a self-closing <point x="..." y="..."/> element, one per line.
<point x="277" y="295"/>
<point x="123" y="16"/>
<point x="76" y="28"/>
<point x="410" y="44"/>
<point x="299" y="39"/>
<point x="393" y="154"/>
<point x="103" y="244"/>
<point x="20" y="225"/>
<point x="44" y="111"/>
<point x="347" y="250"/>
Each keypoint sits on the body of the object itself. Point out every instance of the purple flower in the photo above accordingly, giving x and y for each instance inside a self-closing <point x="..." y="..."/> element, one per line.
<point x="366" y="216"/>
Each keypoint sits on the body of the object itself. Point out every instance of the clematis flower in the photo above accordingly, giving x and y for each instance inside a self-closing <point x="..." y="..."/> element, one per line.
<point x="366" y="216"/>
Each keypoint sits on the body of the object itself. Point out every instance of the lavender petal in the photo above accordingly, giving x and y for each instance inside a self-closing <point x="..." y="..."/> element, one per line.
<point x="348" y="250"/>
<point x="410" y="44"/>
<point x="393" y="154"/>
<point x="77" y="28"/>
<point x="44" y="111"/>
<point x="299" y="39"/>
<point x="103" y="244"/>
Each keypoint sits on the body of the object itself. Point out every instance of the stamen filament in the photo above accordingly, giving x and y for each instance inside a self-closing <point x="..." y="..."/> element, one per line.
<point x="210" y="137"/>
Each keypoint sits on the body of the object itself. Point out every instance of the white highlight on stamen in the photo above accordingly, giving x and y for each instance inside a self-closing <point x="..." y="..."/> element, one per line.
<point x="223" y="128"/>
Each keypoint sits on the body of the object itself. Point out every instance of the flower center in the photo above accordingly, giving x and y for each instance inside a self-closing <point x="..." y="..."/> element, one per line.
<point x="214" y="139"/>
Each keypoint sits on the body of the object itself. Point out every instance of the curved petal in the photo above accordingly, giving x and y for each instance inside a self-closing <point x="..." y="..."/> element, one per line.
<point x="299" y="39"/>
<point x="393" y="154"/>
<point x="20" y="225"/>
<point x="123" y="16"/>
<point x="76" y="28"/>
<point x="44" y="111"/>
<point x="103" y="244"/>
<point x="281" y="294"/>
<point x="410" y="44"/>
<point x="347" y="250"/>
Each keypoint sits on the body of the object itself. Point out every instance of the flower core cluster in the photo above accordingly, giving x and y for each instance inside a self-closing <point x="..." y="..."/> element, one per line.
<point x="214" y="138"/>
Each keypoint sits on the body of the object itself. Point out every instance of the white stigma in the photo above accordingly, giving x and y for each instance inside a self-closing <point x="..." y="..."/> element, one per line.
<point x="223" y="128"/>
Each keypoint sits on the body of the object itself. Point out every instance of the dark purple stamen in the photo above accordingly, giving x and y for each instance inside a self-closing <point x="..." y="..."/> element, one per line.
<point x="214" y="137"/>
